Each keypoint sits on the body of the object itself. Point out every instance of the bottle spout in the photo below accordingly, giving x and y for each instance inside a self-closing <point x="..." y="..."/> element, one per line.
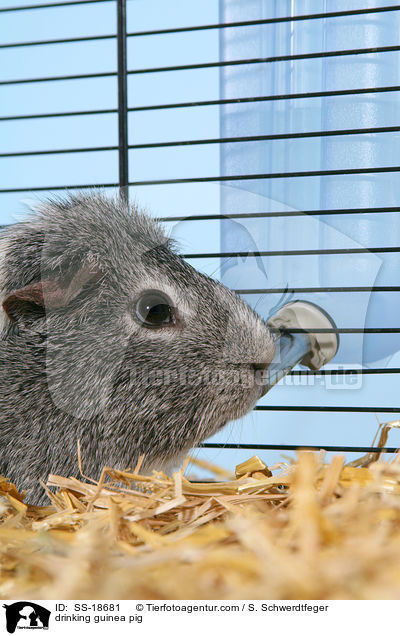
<point x="304" y="334"/>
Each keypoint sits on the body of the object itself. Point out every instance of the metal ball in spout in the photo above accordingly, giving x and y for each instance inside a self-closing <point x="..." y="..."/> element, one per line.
<point x="304" y="334"/>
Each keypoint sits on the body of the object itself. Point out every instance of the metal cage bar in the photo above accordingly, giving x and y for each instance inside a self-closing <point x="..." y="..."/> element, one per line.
<point x="122" y="101"/>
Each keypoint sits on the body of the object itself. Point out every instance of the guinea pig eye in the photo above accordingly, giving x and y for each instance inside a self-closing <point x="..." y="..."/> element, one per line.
<point x="153" y="309"/>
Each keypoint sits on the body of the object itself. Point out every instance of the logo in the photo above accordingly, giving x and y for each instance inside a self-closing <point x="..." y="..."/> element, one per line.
<point x="26" y="615"/>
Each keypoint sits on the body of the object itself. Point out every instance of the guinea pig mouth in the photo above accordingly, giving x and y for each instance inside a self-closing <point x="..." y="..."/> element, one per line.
<point x="244" y="403"/>
<point x="264" y="389"/>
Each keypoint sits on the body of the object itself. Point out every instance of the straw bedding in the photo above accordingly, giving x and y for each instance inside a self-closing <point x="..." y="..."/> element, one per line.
<point x="310" y="529"/>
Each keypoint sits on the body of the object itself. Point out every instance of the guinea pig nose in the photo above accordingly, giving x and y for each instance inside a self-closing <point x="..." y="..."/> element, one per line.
<point x="261" y="366"/>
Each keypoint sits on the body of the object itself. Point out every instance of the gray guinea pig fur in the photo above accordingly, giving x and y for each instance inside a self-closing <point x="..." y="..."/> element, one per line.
<point x="109" y="337"/>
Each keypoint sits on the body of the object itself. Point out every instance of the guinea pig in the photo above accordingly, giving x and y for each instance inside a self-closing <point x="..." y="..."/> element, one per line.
<point x="109" y="337"/>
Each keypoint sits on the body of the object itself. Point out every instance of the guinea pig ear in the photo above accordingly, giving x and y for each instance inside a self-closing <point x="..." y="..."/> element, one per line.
<point x="27" y="301"/>
<point x="52" y="294"/>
